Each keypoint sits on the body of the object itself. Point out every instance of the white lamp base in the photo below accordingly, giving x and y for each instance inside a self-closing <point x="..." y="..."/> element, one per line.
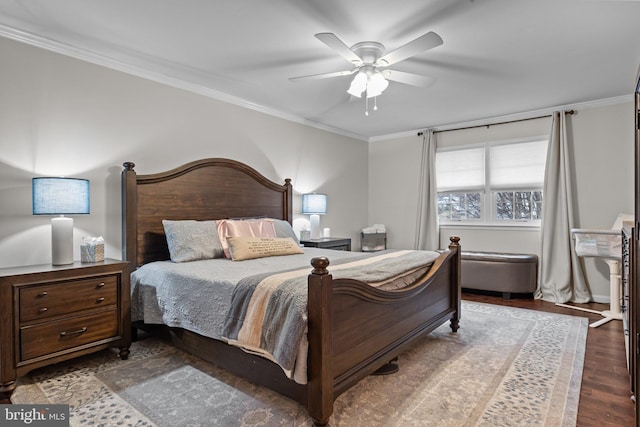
<point x="61" y="240"/>
<point x="315" y="226"/>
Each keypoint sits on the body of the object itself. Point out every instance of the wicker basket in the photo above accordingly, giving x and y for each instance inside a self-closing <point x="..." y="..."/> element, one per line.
<point x="372" y="242"/>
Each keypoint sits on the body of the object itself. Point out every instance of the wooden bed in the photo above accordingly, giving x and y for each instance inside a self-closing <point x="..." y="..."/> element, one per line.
<point x="353" y="329"/>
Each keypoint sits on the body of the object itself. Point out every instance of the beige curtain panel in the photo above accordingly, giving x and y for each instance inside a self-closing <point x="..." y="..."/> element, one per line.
<point x="561" y="277"/>
<point x="428" y="235"/>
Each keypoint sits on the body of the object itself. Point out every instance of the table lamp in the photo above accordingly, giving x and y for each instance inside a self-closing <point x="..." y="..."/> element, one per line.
<point x="61" y="196"/>
<point x="314" y="204"/>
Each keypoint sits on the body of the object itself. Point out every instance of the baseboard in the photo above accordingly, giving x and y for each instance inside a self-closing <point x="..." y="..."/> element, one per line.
<point x="604" y="299"/>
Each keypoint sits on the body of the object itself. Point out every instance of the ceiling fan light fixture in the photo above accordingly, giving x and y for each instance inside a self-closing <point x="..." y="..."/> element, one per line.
<point x="358" y="85"/>
<point x="376" y="84"/>
<point x="367" y="56"/>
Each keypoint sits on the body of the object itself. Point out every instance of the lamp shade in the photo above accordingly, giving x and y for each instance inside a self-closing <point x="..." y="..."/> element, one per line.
<point x="314" y="203"/>
<point x="60" y="196"/>
<point x="376" y="84"/>
<point x="358" y="85"/>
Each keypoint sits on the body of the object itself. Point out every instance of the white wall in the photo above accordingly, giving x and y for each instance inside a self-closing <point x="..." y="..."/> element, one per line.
<point x="61" y="116"/>
<point x="603" y="151"/>
<point x="394" y="174"/>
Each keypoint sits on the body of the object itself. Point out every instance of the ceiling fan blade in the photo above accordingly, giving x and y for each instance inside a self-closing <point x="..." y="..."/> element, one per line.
<point x="408" y="78"/>
<point x="338" y="45"/>
<point x="323" y="76"/>
<point x="424" y="42"/>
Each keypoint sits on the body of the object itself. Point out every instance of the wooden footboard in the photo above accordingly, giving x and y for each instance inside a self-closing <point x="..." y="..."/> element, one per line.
<point x="355" y="329"/>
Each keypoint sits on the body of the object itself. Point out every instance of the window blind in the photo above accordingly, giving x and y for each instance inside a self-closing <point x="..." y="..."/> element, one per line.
<point x="518" y="165"/>
<point x="460" y="169"/>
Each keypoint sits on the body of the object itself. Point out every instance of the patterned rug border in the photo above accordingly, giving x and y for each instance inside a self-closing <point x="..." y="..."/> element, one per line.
<point x="570" y="408"/>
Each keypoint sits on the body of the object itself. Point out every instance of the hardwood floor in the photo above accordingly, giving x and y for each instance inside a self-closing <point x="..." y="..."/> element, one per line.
<point x="605" y="392"/>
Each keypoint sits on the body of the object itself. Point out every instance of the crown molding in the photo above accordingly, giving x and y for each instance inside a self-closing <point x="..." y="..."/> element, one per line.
<point x="165" y="76"/>
<point x="517" y="116"/>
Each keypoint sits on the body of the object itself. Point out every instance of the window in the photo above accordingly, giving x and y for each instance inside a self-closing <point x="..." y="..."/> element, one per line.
<point x="493" y="183"/>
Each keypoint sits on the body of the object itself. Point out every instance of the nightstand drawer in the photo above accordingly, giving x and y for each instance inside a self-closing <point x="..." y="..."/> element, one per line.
<point x="40" y="340"/>
<point x="44" y="301"/>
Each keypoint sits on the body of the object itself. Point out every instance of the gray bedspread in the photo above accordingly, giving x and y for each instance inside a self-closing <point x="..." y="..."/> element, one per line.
<point x="196" y="295"/>
<point x="259" y="305"/>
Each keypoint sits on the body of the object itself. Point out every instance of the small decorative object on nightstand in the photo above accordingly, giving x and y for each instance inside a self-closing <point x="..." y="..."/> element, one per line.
<point x="49" y="314"/>
<point x="336" y="243"/>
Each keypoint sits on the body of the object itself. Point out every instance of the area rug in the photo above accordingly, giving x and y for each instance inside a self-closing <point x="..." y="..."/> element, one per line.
<point x="504" y="367"/>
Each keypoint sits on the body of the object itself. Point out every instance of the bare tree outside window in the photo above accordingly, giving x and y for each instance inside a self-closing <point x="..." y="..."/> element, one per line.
<point x="459" y="206"/>
<point x="518" y="205"/>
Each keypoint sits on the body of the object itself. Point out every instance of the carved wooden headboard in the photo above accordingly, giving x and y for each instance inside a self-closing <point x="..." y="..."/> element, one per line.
<point x="201" y="190"/>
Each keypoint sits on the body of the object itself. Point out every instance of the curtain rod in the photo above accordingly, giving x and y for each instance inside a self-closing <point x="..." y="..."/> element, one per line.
<point x="499" y="123"/>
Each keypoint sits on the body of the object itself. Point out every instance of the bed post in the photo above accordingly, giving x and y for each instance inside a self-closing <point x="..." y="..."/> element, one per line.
<point x="455" y="269"/>
<point x="320" y="358"/>
<point x="129" y="215"/>
<point x="288" y="201"/>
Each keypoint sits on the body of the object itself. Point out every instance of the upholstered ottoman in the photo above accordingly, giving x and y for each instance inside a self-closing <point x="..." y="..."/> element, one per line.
<point x="500" y="272"/>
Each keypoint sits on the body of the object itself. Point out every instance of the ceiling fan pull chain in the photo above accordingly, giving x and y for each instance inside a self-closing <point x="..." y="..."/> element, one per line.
<point x="366" y="105"/>
<point x="375" y="103"/>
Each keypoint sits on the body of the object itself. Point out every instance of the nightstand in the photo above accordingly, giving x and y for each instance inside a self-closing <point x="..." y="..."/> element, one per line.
<point x="336" y="243"/>
<point x="53" y="313"/>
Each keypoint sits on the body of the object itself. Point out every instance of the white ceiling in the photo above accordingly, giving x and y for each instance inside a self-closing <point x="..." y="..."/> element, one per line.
<point x="499" y="57"/>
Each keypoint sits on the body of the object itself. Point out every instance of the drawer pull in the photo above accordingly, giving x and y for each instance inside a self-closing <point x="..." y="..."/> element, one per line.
<point x="100" y="299"/>
<point x="100" y="285"/>
<point x="43" y="294"/>
<point x="78" y="332"/>
<point x="42" y="310"/>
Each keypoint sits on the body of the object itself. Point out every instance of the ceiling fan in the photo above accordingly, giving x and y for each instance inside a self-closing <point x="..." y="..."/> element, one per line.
<point x="370" y="61"/>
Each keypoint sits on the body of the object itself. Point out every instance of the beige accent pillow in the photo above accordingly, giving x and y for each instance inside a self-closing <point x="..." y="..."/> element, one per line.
<point x="242" y="248"/>
<point x="257" y="227"/>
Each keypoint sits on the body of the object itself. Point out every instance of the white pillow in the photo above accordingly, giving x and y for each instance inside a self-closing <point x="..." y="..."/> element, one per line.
<point x="284" y="229"/>
<point x="191" y="240"/>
